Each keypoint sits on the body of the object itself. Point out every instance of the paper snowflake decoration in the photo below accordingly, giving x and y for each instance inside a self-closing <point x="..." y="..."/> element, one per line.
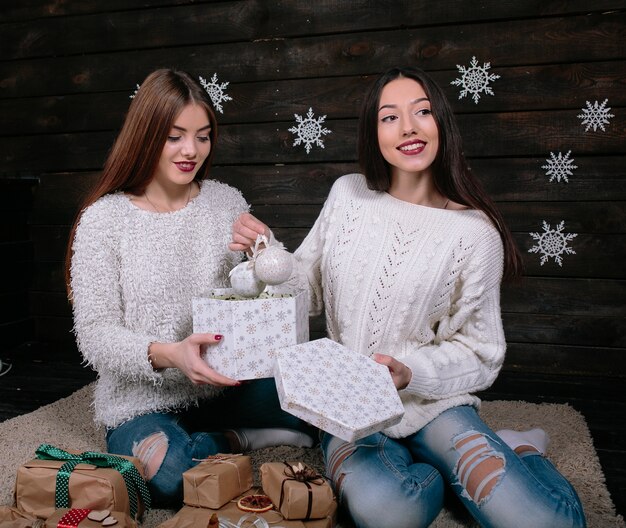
<point x="552" y="243"/>
<point x="559" y="167"/>
<point x="309" y="131"/>
<point x="216" y="91"/>
<point x="132" y="96"/>
<point x="596" y="115"/>
<point x="475" y="79"/>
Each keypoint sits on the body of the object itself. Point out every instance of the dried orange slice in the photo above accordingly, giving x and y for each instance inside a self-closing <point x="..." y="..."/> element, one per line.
<point x="255" y="503"/>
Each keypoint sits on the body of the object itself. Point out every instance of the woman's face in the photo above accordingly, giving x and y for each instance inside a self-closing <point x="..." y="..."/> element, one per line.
<point x="187" y="146"/>
<point x="408" y="136"/>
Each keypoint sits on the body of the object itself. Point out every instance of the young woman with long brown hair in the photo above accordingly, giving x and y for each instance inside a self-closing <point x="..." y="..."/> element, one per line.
<point x="406" y="259"/>
<point x="152" y="234"/>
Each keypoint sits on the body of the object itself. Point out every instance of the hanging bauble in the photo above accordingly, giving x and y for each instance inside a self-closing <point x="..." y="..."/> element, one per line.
<point x="244" y="281"/>
<point x="273" y="265"/>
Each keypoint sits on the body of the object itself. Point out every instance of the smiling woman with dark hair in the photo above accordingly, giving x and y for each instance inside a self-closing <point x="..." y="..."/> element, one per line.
<point x="406" y="260"/>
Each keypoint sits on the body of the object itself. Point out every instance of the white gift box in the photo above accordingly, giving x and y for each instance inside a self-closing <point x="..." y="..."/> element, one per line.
<point x="253" y="329"/>
<point x="337" y="390"/>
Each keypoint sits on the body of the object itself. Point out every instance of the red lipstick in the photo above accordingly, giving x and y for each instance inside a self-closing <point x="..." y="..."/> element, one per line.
<point x="185" y="166"/>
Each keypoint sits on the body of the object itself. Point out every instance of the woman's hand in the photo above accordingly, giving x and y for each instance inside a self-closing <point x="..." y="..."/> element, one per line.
<point x="400" y="373"/>
<point x="245" y="230"/>
<point x="186" y="356"/>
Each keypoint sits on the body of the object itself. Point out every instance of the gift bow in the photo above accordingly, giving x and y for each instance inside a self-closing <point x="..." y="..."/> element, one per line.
<point x="307" y="476"/>
<point x="268" y="242"/>
<point x="135" y="485"/>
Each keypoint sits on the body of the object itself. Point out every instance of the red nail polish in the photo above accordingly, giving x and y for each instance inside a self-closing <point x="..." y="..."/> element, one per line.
<point x="218" y="337"/>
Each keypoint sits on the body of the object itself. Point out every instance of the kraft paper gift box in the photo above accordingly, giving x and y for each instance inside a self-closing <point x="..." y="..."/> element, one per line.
<point x="297" y="491"/>
<point x="337" y="390"/>
<point x="253" y="329"/>
<point x="230" y="516"/>
<point x="66" y="517"/>
<point x="89" y="484"/>
<point x="217" y="480"/>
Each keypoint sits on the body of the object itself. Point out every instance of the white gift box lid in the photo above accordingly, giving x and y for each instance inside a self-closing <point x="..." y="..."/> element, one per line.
<point x="337" y="390"/>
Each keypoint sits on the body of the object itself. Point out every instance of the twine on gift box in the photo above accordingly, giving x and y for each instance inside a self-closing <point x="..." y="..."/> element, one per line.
<point x="306" y="475"/>
<point x="222" y="459"/>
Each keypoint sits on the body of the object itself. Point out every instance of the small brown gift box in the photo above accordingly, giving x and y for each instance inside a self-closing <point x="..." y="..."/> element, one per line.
<point x="297" y="491"/>
<point x="89" y="487"/>
<point x="123" y="520"/>
<point x="216" y="480"/>
<point x="190" y="517"/>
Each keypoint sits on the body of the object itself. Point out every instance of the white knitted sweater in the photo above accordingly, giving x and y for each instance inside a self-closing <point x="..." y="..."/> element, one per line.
<point x="133" y="275"/>
<point x="418" y="283"/>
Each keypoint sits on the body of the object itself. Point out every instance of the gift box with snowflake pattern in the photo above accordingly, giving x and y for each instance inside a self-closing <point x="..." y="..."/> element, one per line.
<point x="253" y="329"/>
<point x="337" y="390"/>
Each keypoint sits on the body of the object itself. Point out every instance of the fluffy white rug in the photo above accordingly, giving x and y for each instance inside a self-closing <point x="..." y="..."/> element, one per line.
<point x="68" y="423"/>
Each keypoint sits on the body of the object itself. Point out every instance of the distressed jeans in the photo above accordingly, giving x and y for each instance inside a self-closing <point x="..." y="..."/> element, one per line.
<point x="195" y="433"/>
<point x="399" y="483"/>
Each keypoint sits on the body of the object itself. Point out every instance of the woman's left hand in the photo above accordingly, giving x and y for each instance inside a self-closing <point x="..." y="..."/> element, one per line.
<point x="400" y="373"/>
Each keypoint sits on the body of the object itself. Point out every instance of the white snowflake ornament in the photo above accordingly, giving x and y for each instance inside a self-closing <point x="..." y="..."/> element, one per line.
<point x="216" y="91"/>
<point x="559" y="167"/>
<point x="309" y="131"/>
<point x="596" y="115"/>
<point x="134" y="94"/>
<point x="552" y="243"/>
<point x="475" y="80"/>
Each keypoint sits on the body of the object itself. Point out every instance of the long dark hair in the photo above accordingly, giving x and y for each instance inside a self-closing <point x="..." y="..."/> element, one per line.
<point x="135" y="154"/>
<point x="451" y="173"/>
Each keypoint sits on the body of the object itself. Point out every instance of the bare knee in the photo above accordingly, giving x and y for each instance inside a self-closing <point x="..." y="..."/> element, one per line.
<point x="479" y="468"/>
<point x="151" y="452"/>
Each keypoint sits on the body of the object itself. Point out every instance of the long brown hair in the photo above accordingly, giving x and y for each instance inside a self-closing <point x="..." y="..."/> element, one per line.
<point x="451" y="174"/>
<point x="135" y="154"/>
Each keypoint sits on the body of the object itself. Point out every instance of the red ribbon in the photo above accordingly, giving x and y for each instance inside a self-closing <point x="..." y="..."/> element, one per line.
<point x="73" y="518"/>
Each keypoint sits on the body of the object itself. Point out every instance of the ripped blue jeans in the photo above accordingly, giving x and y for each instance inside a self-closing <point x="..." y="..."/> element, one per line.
<point x="186" y="436"/>
<point x="381" y="481"/>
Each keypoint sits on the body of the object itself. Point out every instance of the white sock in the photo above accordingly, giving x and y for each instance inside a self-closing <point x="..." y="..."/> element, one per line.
<point x="251" y="439"/>
<point x="536" y="438"/>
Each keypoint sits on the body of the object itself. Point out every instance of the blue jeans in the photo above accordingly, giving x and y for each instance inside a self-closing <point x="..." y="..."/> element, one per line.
<point x="382" y="481"/>
<point x="195" y="433"/>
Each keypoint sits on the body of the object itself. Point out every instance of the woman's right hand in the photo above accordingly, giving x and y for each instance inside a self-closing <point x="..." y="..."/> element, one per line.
<point x="245" y="231"/>
<point x="186" y="356"/>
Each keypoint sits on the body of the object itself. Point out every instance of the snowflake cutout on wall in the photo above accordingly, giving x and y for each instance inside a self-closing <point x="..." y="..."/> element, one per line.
<point x="595" y="115"/>
<point x="475" y="79"/>
<point x="559" y="167"/>
<point x="132" y="96"/>
<point x="552" y="243"/>
<point x="309" y="131"/>
<point x="216" y="91"/>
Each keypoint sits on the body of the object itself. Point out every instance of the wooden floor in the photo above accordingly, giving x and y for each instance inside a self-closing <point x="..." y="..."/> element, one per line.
<point x="35" y="380"/>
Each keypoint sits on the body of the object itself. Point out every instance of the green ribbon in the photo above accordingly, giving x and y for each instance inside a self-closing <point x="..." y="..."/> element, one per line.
<point x="135" y="484"/>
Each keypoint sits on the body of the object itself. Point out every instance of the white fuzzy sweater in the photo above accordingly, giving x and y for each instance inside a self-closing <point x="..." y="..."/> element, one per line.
<point x="133" y="275"/>
<point x="418" y="283"/>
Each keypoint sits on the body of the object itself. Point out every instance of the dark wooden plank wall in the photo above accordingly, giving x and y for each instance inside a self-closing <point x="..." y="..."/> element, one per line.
<point x="67" y="70"/>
